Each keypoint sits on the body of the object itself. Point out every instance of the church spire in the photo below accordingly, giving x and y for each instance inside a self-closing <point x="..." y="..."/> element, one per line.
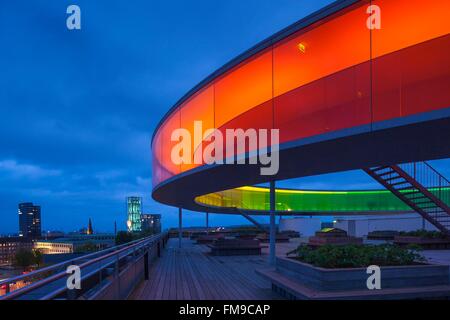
<point x="89" y="229"/>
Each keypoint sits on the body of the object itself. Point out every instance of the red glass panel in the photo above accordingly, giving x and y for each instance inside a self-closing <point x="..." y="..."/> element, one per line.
<point x="256" y="118"/>
<point x="411" y="68"/>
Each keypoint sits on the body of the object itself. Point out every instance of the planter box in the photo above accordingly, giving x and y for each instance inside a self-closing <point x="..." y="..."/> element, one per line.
<point x="279" y="238"/>
<point x="249" y="236"/>
<point x="195" y="235"/>
<point x="205" y="239"/>
<point x="382" y="235"/>
<point x="235" y="247"/>
<point x="426" y="243"/>
<point x="355" y="278"/>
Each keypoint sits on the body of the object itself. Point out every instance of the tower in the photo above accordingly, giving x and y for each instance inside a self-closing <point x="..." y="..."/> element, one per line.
<point x="89" y="229"/>
<point x="134" y="211"/>
<point x="29" y="220"/>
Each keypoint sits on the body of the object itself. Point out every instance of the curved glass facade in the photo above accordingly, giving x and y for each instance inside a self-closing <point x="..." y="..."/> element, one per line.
<point x="307" y="201"/>
<point x="334" y="74"/>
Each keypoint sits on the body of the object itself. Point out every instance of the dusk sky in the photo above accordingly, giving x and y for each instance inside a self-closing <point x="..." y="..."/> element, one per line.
<point x="78" y="108"/>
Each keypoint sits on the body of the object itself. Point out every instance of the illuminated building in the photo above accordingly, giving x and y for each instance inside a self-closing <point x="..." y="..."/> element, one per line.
<point x="29" y="220"/>
<point x="151" y="223"/>
<point x="134" y="211"/>
<point x="9" y="247"/>
<point x="75" y="243"/>
<point x="56" y="246"/>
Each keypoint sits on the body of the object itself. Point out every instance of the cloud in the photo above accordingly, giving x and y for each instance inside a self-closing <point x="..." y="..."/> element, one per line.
<point x="21" y="170"/>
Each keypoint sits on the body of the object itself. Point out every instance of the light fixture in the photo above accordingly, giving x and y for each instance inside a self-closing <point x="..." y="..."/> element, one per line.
<point x="301" y="47"/>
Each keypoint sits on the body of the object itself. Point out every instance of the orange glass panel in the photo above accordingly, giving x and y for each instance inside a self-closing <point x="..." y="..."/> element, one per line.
<point x="169" y="168"/>
<point x="198" y="108"/>
<point x="325" y="48"/>
<point x="408" y="22"/>
<point x="243" y="88"/>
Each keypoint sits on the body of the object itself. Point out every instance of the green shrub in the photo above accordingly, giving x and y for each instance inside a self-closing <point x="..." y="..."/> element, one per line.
<point x="24" y="258"/>
<point x="354" y="256"/>
<point x="123" y="237"/>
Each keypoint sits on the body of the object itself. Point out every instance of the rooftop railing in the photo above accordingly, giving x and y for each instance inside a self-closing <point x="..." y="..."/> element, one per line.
<point x="111" y="273"/>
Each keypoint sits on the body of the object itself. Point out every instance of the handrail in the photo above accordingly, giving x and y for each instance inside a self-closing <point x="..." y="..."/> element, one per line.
<point x="63" y="263"/>
<point x="435" y="171"/>
<point x="113" y="251"/>
<point x="93" y="261"/>
<point x="431" y="179"/>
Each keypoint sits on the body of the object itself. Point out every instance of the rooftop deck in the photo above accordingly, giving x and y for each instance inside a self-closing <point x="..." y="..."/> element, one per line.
<point x="190" y="273"/>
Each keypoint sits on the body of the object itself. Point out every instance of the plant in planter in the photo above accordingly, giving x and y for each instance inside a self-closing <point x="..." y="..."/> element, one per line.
<point x="426" y="239"/>
<point x="354" y="256"/>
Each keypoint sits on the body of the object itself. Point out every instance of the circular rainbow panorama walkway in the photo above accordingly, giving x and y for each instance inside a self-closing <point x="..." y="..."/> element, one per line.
<point x="343" y="96"/>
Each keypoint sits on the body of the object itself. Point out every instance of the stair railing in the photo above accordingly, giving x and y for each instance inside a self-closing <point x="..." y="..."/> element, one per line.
<point x="430" y="178"/>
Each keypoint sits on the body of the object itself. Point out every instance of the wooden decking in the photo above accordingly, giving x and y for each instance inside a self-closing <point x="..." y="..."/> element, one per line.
<point x="190" y="273"/>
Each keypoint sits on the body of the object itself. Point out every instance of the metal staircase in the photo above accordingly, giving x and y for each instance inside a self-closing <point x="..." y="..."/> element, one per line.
<point x="421" y="187"/>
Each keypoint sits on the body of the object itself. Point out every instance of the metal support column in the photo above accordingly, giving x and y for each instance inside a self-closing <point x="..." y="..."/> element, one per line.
<point x="272" y="223"/>
<point x="180" y="229"/>
<point x="146" y="268"/>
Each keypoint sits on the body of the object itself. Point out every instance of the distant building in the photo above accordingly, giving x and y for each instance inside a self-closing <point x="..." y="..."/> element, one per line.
<point x="75" y="243"/>
<point x="89" y="229"/>
<point x="361" y="226"/>
<point x="358" y="226"/>
<point x="9" y="247"/>
<point x="83" y="230"/>
<point x="55" y="246"/>
<point x="29" y="220"/>
<point x="53" y="234"/>
<point x="151" y="222"/>
<point x="134" y="211"/>
<point x="306" y="226"/>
